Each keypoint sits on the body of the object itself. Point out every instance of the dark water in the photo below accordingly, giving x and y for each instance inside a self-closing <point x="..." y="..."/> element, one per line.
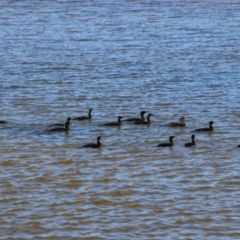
<point x="170" y="58"/>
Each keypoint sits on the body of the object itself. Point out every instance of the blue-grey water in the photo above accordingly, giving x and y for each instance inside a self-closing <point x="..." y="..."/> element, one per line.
<point x="170" y="58"/>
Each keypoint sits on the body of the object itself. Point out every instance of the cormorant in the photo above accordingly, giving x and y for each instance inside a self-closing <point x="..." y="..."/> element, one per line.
<point x="205" y="129"/>
<point x="170" y="144"/>
<point x="137" y="119"/>
<point x="190" y="144"/>
<point x="89" y="117"/>
<point x="181" y="123"/>
<point x="148" y="121"/>
<point x="61" y="129"/>
<point x="118" y="123"/>
<point x="93" y="145"/>
<point x="60" y="124"/>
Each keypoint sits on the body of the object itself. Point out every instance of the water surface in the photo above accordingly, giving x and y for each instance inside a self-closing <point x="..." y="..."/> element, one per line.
<point x="170" y="58"/>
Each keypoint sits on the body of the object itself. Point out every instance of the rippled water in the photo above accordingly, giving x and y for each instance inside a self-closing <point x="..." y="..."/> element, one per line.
<point x="170" y="58"/>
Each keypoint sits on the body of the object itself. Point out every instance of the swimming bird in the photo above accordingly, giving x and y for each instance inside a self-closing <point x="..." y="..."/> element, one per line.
<point x="170" y="144"/>
<point x="137" y="119"/>
<point x="61" y="129"/>
<point x="3" y="121"/>
<point x="238" y="146"/>
<point x="60" y="124"/>
<point x="181" y="123"/>
<point x="118" y="123"/>
<point x="93" y="145"/>
<point x="190" y="144"/>
<point x="89" y="117"/>
<point x="148" y="121"/>
<point x="205" y="129"/>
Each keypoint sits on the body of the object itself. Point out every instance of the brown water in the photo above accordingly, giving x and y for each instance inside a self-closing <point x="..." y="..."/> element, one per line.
<point x="170" y="58"/>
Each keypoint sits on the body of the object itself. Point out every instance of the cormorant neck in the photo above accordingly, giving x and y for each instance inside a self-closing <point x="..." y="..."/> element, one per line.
<point x="119" y="120"/>
<point x="89" y="114"/>
<point x="148" y="118"/>
<point x="67" y="125"/>
<point x="182" y="122"/>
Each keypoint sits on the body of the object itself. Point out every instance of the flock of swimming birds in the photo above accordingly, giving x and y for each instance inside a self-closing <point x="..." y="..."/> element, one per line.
<point x="59" y="127"/>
